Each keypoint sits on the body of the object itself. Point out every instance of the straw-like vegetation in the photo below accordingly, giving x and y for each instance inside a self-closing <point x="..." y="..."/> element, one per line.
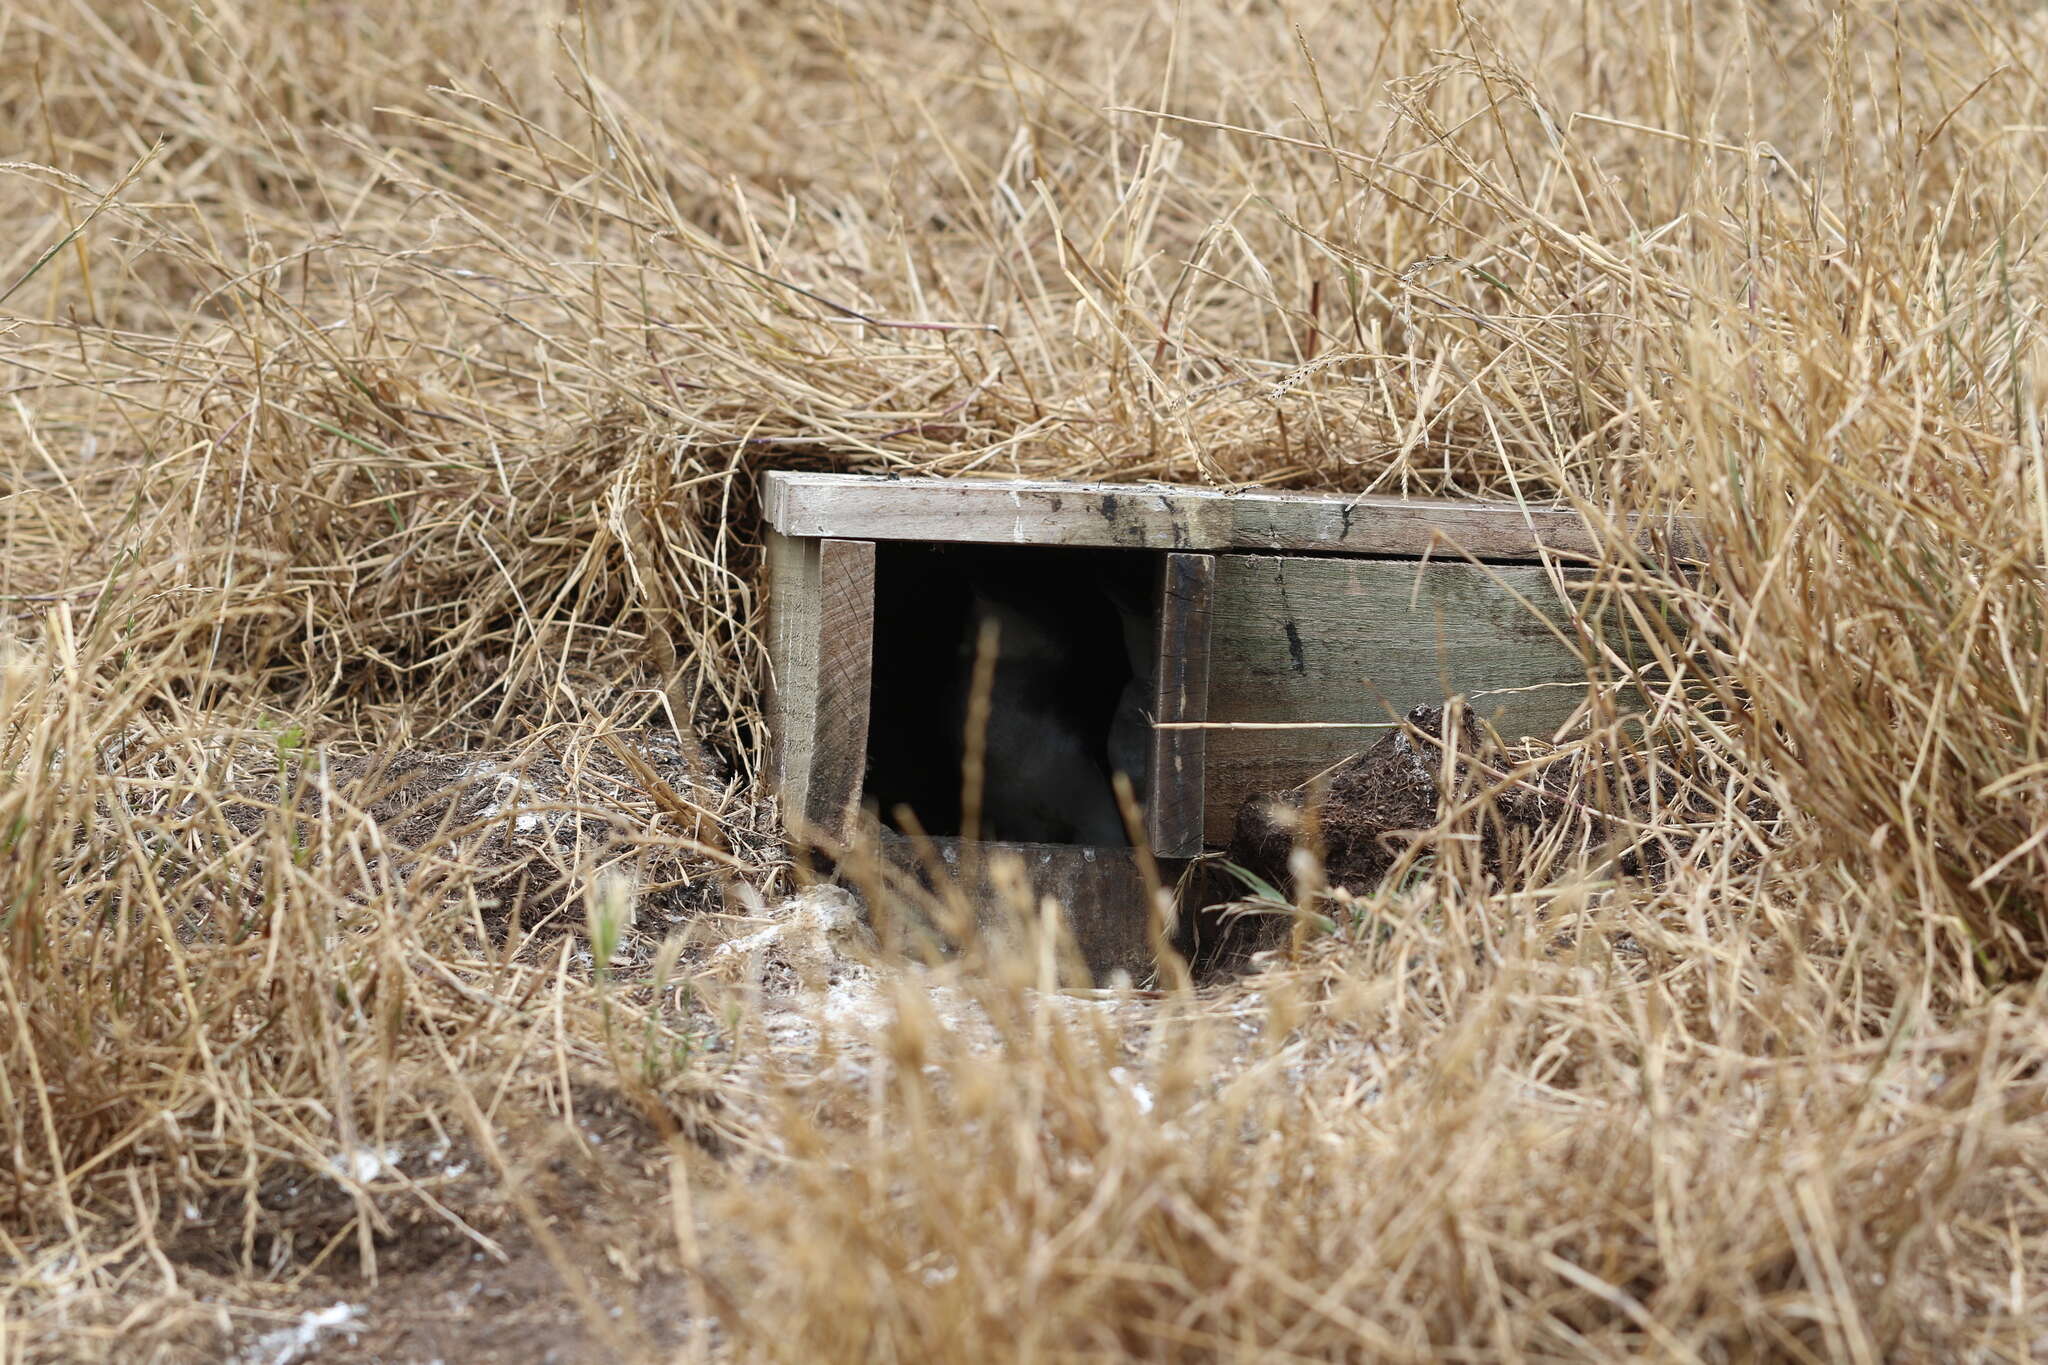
<point x="391" y="379"/>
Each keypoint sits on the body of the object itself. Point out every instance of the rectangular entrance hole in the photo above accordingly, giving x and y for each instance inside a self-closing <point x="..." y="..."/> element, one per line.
<point x="1070" y="700"/>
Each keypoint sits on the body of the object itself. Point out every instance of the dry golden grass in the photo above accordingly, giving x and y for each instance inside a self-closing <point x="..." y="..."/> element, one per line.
<point x="384" y="375"/>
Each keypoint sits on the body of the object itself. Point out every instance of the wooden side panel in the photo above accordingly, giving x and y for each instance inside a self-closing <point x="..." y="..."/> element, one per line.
<point x="792" y="614"/>
<point x="846" y="650"/>
<point x="1351" y="641"/>
<point x="1166" y="517"/>
<point x="821" y="627"/>
<point x="1101" y="891"/>
<point x="1181" y="695"/>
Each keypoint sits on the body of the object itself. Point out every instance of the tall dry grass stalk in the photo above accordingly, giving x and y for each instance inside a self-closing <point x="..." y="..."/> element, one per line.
<point x="382" y="374"/>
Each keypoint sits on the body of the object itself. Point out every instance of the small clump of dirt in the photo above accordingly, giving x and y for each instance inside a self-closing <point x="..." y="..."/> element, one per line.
<point x="1373" y="806"/>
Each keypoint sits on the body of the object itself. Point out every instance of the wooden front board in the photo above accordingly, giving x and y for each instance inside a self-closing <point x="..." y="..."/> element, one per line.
<point x="1352" y="641"/>
<point x="1100" y="890"/>
<point x="1174" y="517"/>
<point x="821" y="633"/>
<point x="1187" y="590"/>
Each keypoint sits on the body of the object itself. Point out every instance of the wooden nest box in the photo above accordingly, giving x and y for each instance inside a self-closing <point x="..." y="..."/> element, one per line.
<point x="1211" y="645"/>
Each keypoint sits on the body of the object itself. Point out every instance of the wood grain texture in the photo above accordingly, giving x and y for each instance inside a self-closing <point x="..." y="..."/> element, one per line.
<point x="1100" y="891"/>
<point x="1181" y="694"/>
<point x="846" y="646"/>
<point x="1336" y="640"/>
<point x="821" y="628"/>
<point x="791" y="695"/>
<point x="1165" y="517"/>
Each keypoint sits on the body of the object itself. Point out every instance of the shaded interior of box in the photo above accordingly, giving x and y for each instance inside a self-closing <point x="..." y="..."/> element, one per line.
<point x="1061" y="669"/>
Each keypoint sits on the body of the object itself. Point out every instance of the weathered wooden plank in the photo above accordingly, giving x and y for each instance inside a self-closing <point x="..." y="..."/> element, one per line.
<point x="846" y="647"/>
<point x="1100" y="891"/>
<point x="1180" y="695"/>
<point x="1165" y="517"/>
<point x="1347" y="641"/>
<point x="791" y="695"/>
<point x="821" y="618"/>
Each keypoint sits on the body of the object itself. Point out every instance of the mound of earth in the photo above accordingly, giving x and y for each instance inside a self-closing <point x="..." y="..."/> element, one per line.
<point x="528" y="830"/>
<point x="1374" y="806"/>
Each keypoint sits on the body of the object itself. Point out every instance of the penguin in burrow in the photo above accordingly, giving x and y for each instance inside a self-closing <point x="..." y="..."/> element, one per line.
<point x="1050" y="744"/>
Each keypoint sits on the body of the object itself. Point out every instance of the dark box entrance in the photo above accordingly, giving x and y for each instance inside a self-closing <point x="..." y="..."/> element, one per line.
<point x="1075" y="630"/>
